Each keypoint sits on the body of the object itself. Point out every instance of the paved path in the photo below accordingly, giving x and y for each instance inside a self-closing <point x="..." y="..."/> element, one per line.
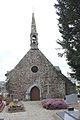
<point x="33" y="111"/>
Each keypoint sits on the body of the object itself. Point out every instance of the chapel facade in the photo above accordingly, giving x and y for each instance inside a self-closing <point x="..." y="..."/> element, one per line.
<point x="34" y="77"/>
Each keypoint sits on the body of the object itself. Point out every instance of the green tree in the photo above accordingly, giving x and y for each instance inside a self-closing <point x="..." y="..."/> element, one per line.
<point x="68" y="12"/>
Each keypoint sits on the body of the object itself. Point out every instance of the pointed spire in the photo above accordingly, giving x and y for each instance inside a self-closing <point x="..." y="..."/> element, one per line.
<point x="33" y="19"/>
<point x="33" y="25"/>
<point x="34" y="34"/>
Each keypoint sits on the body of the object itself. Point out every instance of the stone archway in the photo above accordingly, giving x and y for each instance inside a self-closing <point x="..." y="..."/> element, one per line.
<point x="35" y="94"/>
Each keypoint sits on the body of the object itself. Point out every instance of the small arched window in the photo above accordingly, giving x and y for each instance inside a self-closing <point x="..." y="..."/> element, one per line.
<point x="33" y="37"/>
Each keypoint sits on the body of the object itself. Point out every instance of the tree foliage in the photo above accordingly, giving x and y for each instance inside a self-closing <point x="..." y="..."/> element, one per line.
<point x="69" y="27"/>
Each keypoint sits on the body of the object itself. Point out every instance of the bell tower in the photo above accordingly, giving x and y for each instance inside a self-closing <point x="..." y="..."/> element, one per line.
<point x="34" y="34"/>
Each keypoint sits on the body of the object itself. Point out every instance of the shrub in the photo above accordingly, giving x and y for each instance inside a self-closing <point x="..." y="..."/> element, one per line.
<point x="12" y="105"/>
<point x="54" y="104"/>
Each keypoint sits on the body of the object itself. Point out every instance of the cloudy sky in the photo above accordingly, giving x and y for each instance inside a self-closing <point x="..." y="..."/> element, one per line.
<point x="15" y="28"/>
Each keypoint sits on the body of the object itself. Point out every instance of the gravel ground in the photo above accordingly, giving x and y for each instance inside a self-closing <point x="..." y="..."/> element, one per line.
<point x="33" y="111"/>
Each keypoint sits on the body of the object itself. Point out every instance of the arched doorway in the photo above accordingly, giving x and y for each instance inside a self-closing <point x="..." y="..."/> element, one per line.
<point x="35" y="93"/>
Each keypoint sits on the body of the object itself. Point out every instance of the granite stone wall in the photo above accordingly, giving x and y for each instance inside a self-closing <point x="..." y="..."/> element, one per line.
<point x="49" y="81"/>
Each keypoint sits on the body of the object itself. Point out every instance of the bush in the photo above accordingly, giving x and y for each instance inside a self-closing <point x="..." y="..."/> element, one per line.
<point x="12" y="105"/>
<point x="54" y="104"/>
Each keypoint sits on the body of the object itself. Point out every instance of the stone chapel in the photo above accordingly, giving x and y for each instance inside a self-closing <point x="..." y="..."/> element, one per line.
<point x="34" y="77"/>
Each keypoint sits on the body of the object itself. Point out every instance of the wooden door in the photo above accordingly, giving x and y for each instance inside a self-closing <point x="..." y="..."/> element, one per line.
<point x="35" y="93"/>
